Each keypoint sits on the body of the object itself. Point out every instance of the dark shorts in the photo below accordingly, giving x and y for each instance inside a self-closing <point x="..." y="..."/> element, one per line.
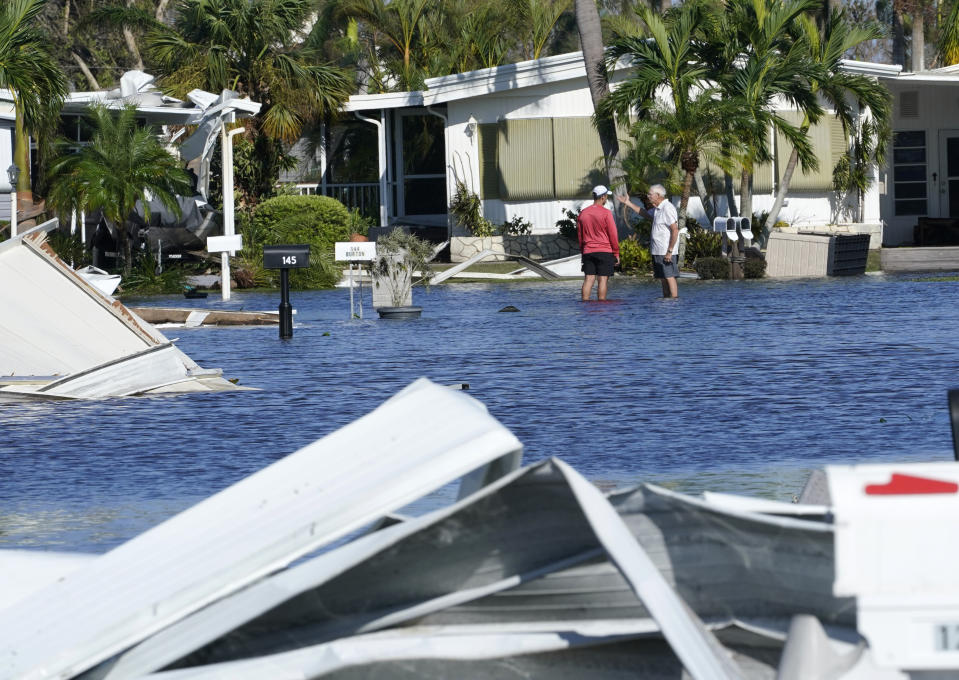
<point x="664" y="270"/>
<point x="598" y="264"/>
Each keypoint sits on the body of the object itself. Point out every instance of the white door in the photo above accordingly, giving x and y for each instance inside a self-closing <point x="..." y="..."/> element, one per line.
<point x="946" y="182"/>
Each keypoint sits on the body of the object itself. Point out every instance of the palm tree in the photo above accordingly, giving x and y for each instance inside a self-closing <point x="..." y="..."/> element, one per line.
<point x="591" y="40"/>
<point x="121" y="165"/>
<point x="827" y="47"/>
<point x="397" y="27"/>
<point x="772" y="66"/>
<point x="30" y="72"/>
<point x="254" y="47"/>
<point x="692" y="123"/>
<point x="540" y="18"/>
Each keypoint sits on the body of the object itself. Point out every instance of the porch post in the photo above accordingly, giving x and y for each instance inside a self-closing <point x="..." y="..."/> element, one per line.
<point x="384" y="169"/>
<point x="381" y="143"/>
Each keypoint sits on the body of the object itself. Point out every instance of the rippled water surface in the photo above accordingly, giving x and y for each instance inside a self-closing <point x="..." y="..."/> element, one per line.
<point x="740" y="387"/>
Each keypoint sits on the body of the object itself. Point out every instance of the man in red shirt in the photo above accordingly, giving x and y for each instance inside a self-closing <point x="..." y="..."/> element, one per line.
<point x="599" y="243"/>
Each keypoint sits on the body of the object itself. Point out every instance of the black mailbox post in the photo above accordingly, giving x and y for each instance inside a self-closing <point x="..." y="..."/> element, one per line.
<point x="286" y="258"/>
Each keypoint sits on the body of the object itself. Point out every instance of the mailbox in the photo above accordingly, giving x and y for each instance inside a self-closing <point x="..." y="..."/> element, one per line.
<point x="286" y="257"/>
<point x="719" y="224"/>
<point x="731" y="229"/>
<point x="745" y="229"/>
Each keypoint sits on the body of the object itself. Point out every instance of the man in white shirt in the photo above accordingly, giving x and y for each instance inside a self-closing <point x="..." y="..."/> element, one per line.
<point x="664" y="241"/>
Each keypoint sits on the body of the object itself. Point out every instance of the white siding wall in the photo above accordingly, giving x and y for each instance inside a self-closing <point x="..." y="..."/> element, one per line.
<point x="569" y="98"/>
<point x="938" y="110"/>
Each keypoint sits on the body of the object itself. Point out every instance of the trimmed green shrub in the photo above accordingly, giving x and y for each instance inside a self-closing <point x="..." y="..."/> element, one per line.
<point x="702" y="243"/>
<point x="634" y="258"/>
<point x="319" y="221"/>
<point x="754" y="268"/>
<point x="712" y="267"/>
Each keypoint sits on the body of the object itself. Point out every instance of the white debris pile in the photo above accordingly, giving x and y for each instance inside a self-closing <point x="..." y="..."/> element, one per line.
<point x="62" y="337"/>
<point x="531" y="572"/>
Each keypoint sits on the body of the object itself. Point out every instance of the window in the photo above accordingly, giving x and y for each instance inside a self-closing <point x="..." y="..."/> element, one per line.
<point x="909" y="173"/>
<point x="539" y="158"/>
<point x="829" y="144"/>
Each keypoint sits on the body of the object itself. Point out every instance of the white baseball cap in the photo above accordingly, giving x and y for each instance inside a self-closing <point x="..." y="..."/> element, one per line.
<point x="600" y="190"/>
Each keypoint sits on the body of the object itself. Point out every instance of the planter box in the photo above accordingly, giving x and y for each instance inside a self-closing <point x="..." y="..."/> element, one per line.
<point x="540" y="247"/>
<point x="816" y="254"/>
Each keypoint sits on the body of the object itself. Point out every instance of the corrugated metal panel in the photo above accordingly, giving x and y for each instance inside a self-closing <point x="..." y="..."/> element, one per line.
<point x="525" y="156"/>
<point x="519" y="553"/>
<point x="361" y="472"/>
<point x="829" y="143"/>
<point x="54" y="324"/>
<point x="577" y="157"/>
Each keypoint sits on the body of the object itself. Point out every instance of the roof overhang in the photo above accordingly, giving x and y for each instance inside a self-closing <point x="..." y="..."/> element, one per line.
<point x="869" y="68"/>
<point x="477" y="83"/>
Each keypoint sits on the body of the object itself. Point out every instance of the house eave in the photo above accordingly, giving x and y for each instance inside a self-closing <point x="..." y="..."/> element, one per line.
<point x="457" y="86"/>
<point x="869" y="68"/>
<point x="387" y="100"/>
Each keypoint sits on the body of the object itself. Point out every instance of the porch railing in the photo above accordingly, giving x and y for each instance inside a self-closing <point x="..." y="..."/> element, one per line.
<point x="364" y="196"/>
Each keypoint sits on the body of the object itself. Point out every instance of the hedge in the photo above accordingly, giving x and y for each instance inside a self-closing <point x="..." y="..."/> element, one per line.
<point x="319" y="221"/>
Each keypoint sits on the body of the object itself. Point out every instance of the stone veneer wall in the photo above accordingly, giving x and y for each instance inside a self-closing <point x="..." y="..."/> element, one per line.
<point x="540" y="247"/>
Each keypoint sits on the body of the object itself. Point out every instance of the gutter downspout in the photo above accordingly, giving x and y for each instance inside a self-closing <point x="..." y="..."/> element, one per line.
<point x="381" y="143"/>
<point x="446" y="147"/>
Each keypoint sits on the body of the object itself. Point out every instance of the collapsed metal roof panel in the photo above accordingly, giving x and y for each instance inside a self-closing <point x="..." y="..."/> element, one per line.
<point x="338" y="484"/>
<point x="62" y="337"/>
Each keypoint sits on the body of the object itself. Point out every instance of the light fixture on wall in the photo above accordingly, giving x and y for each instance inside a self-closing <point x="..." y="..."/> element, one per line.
<point x="470" y="128"/>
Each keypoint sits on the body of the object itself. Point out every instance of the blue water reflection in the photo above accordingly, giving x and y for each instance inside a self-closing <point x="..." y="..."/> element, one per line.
<point x="739" y="387"/>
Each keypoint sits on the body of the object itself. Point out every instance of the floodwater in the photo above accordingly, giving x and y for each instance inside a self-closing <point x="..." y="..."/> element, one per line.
<point x="741" y="387"/>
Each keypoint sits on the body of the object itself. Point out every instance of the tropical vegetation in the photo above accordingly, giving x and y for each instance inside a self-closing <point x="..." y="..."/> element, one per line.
<point x="703" y="73"/>
<point x="31" y="74"/>
<point x="318" y="221"/>
<point x="122" y="167"/>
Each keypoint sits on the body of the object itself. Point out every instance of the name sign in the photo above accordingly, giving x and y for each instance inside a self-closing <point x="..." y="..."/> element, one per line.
<point x="354" y="251"/>
<point x="286" y="257"/>
<point x="222" y="244"/>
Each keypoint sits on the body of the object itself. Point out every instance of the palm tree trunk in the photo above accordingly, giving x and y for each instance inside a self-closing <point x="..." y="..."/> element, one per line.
<point x="126" y="247"/>
<point x="773" y="216"/>
<point x="746" y="195"/>
<point x="161" y="9"/>
<point x="898" y="36"/>
<point x="684" y="199"/>
<point x="21" y="156"/>
<point x="732" y="208"/>
<point x="705" y="197"/>
<point x="918" y="39"/>
<point x="85" y="70"/>
<point x="591" y="40"/>
<point x="132" y="44"/>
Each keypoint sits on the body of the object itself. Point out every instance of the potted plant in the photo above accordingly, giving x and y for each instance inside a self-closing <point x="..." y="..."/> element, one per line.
<point x="399" y="256"/>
